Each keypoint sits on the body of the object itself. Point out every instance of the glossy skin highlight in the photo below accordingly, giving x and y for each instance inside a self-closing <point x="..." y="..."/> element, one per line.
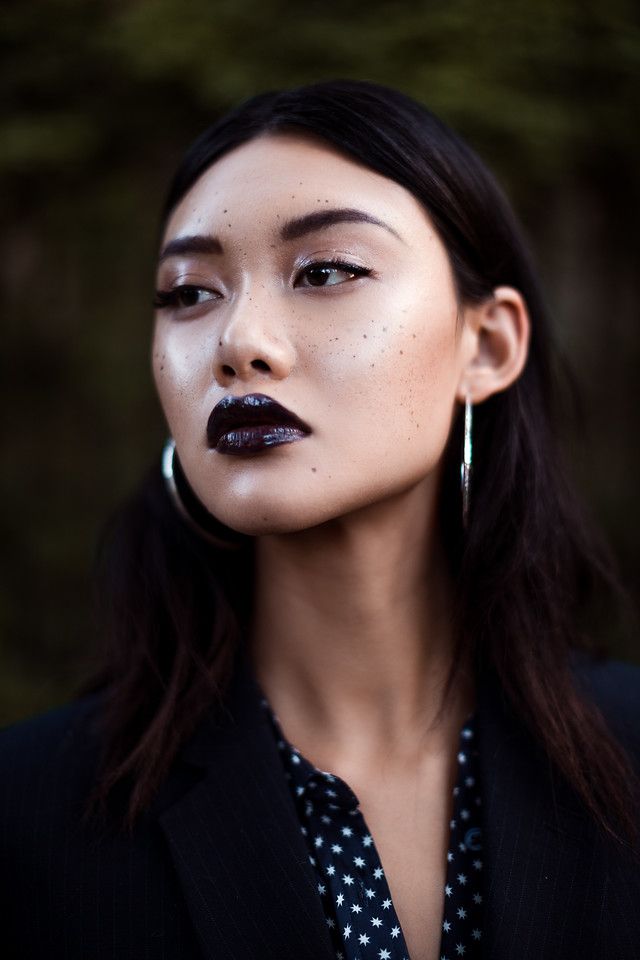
<point x="372" y="362"/>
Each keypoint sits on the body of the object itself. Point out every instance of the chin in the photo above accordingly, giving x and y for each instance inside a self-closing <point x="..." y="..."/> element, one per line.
<point x="257" y="523"/>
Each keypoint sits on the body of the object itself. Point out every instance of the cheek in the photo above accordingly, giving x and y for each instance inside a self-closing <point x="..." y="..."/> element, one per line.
<point x="395" y="378"/>
<point x="178" y="369"/>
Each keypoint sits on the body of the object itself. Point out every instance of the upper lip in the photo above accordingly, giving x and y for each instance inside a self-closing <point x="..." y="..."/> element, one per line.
<point x="233" y="413"/>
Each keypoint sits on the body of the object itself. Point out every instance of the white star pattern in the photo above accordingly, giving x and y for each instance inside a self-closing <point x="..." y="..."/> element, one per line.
<point x="336" y="832"/>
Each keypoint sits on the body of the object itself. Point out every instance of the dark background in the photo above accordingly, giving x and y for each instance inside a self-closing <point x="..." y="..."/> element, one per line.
<point x="101" y="98"/>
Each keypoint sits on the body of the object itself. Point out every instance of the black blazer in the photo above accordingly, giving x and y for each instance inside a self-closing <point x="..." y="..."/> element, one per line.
<point x="218" y="868"/>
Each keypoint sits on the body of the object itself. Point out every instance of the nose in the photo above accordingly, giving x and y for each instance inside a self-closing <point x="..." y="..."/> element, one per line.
<point x="253" y="344"/>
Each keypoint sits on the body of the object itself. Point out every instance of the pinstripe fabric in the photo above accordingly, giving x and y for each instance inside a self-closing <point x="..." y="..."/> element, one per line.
<point x="218" y="868"/>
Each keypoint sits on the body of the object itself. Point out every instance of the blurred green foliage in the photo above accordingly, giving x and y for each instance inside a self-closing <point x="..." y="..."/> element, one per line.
<point x="100" y="99"/>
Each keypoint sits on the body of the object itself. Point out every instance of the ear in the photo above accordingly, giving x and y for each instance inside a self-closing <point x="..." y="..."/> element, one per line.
<point x="496" y="343"/>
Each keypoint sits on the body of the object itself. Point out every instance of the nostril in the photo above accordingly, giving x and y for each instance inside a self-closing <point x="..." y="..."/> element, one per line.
<point x="227" y="370"/>
<point x="259" y="365"/>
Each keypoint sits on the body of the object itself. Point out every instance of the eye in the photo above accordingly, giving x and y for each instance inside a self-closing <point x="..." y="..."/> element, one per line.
<point x="183" y="296"/>
<point x="329" y="274"/>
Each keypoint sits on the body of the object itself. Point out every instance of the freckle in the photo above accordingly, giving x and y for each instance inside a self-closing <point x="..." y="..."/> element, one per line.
<point x="384" y="329"/>
<point x="219" y="343"/>
<point x="228" y="224"/>
<point x="402" y="351"/>
<point x="162" y="366"/>
<point x="313" y="469"/>
<point x="364" y="335"/>
<point x="413" y="335"/>
<point x="373" y="364"/>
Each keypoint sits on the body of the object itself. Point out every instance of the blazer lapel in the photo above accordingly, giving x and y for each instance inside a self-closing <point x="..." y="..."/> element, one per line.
<point x="236" y="842"/>
<point x="544" y="863"/>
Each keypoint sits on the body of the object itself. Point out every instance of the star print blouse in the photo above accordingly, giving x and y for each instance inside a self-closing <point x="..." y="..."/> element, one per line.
<point x="351" y="882"/>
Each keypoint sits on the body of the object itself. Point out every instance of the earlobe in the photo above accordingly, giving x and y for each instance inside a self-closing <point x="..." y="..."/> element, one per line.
<point x="501" y="332"/>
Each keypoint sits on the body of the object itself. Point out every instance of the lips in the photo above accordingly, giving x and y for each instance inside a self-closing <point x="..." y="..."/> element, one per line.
<point x="243" y="425"/>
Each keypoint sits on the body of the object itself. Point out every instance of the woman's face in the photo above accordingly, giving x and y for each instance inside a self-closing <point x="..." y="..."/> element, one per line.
<point x="323" y="285"/>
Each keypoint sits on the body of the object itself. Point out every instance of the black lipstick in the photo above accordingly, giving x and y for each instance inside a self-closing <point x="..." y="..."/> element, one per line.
<point x="249" y="424"/>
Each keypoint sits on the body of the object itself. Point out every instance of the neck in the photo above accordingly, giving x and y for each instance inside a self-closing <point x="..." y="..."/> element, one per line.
<point x="351" y="635"/>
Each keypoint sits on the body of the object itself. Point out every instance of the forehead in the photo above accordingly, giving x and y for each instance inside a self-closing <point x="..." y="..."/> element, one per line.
<point x="282" y="174"/>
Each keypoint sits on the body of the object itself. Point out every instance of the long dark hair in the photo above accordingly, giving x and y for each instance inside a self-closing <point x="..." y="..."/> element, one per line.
<point x="524" y="571"/>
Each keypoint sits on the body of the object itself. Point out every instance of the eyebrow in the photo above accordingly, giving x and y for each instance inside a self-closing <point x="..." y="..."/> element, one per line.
<point x="328" y="218"/>
<point x="292" y="230"/>
<point x="198" y="243"/>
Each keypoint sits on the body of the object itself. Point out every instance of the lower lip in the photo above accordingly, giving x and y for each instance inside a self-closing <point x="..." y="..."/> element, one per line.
<point x="249" y="440"/>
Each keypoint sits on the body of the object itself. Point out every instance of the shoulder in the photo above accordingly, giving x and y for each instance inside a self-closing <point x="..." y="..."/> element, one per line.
<point x="60" y="745"/>
<point x="614" y="687"/>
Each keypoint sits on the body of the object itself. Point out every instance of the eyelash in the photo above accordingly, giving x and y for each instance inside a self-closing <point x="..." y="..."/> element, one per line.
<point x="171" y="298"/>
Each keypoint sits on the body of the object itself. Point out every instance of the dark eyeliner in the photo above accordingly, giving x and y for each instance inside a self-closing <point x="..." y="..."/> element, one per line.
<point x="358" y="271"/>
<point x="164" y="298"/>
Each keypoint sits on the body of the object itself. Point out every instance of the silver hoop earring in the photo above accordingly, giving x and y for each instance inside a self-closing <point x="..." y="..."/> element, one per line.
<point x="189" y="507"/>
<point x="465" y="466"/>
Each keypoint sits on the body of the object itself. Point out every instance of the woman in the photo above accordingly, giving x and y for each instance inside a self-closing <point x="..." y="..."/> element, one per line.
<point x="347" y="708"/>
